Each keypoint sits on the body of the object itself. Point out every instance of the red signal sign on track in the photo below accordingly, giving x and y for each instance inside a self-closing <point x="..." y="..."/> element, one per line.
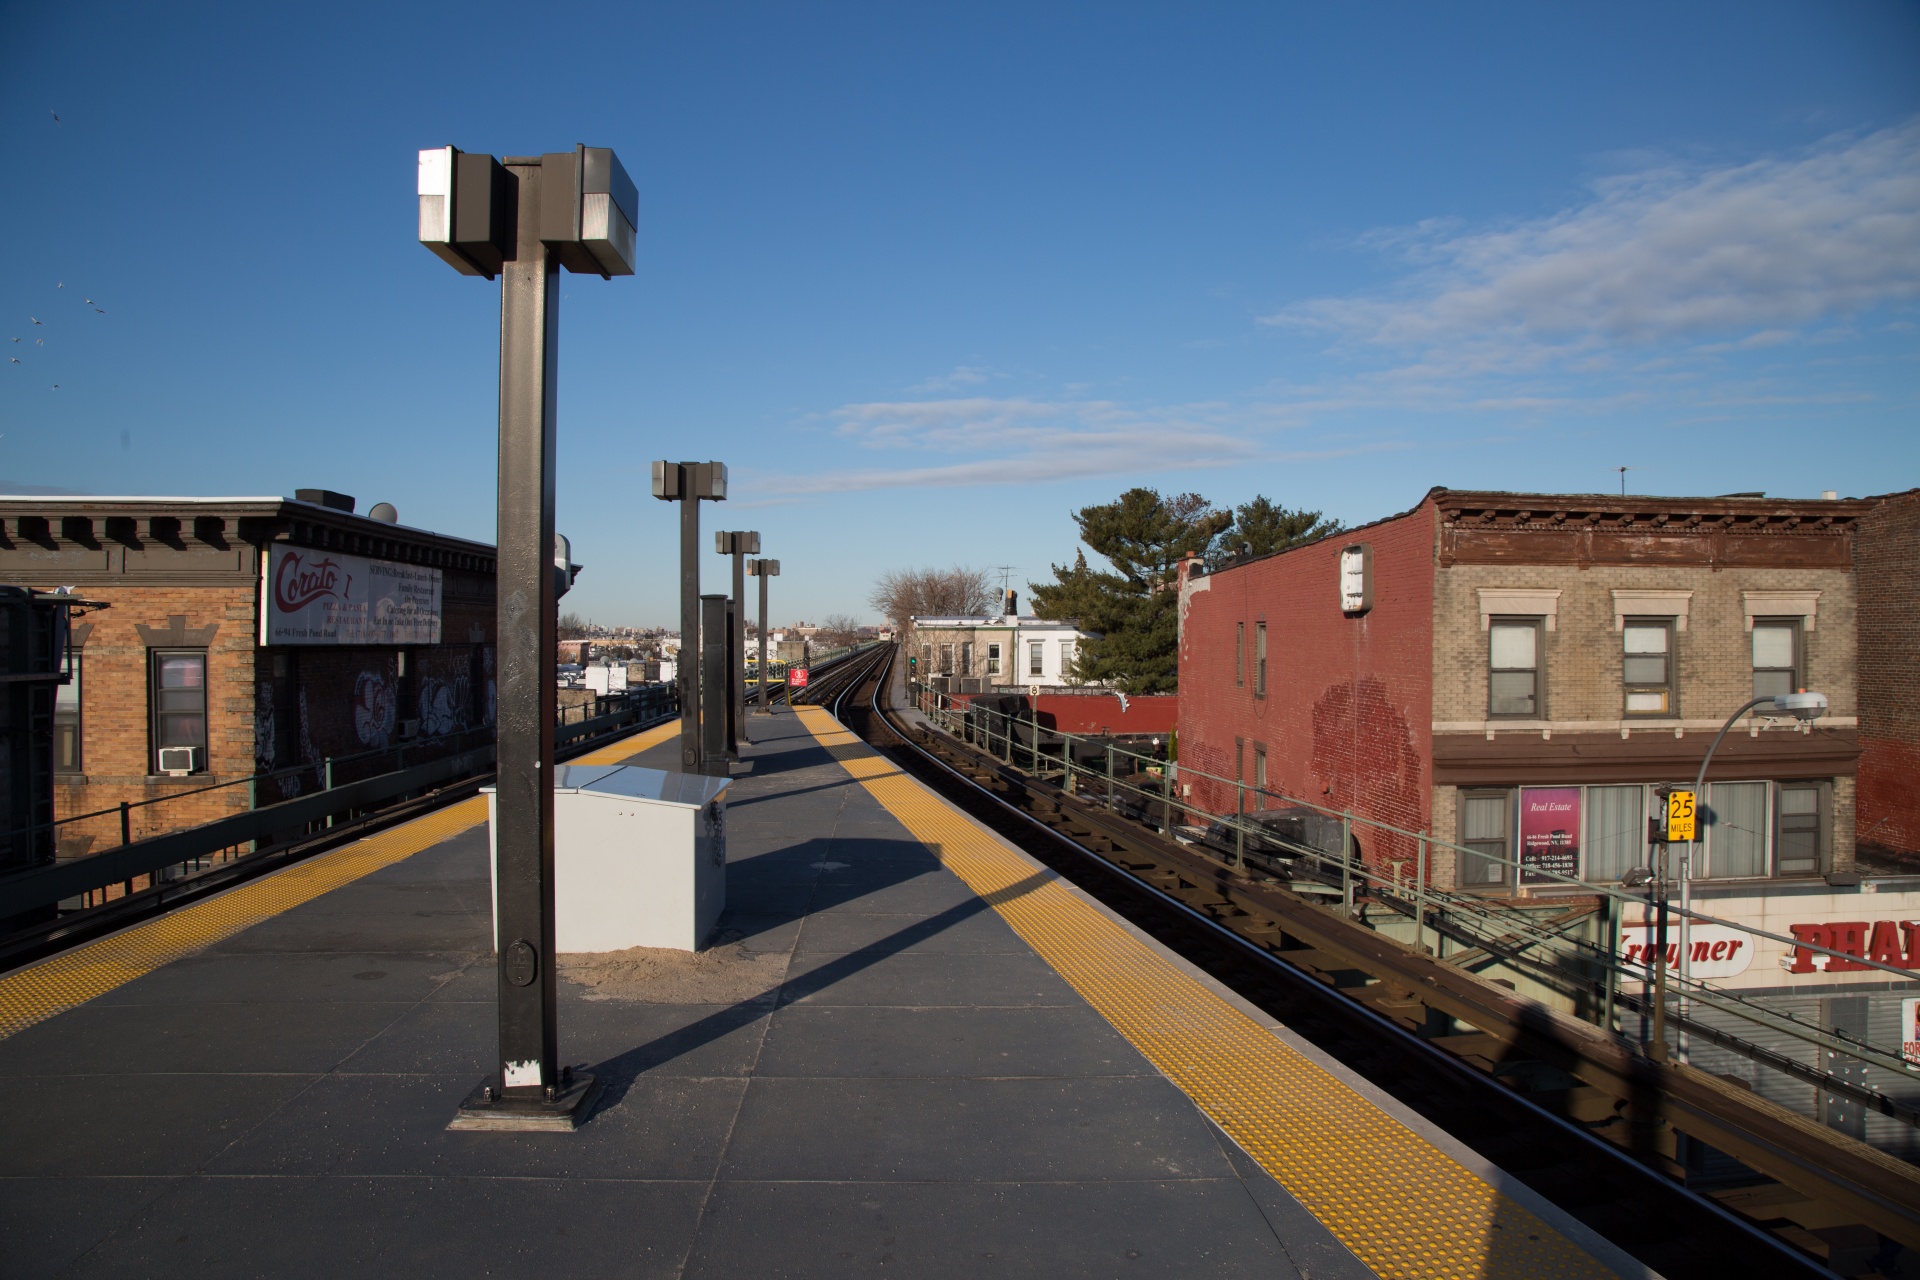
<point x="797" y="677"/>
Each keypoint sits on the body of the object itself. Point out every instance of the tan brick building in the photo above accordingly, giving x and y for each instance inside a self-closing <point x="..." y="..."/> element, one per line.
<point x="198" y="674"/>
<point x="1529" y="667"/>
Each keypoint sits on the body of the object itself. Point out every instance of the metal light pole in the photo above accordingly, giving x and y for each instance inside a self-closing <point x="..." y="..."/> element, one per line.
<point x="523" y="221"/>
<point x="763" y="569"/>
<point x="1804" y="707"/>
<point x="739" y="544"/>
<point x="690" y="484"/>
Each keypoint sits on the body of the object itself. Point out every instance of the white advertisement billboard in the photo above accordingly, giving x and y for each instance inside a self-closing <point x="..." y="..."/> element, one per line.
<point x="325" y="597"/>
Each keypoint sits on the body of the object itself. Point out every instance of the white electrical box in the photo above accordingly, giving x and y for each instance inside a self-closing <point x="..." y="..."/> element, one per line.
<point x="640" y="857"/>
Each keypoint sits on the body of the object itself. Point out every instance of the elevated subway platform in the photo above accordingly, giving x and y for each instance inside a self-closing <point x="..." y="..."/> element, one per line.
<point x="913" y="1050"/>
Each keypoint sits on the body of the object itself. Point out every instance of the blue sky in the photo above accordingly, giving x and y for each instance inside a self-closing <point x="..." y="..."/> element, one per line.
<point x="930" y="277"/>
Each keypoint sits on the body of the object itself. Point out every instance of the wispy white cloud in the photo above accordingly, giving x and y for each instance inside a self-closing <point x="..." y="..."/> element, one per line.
<point x="1019" y="440"/>
<point x="1747" y="253"/>
<point x="964" y="375"/>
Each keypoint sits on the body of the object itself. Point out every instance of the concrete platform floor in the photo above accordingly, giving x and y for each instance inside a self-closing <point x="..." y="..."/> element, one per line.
<point x="914" y="1092"/>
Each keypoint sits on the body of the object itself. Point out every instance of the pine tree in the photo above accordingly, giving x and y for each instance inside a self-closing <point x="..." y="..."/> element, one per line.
<point x="1133" y="614"/>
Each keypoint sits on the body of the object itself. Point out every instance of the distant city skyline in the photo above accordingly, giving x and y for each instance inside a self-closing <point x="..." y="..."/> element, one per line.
<point x="927" y="281"/>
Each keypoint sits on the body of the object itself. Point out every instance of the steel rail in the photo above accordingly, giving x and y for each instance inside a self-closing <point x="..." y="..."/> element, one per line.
<point x="1817" y="1162"/>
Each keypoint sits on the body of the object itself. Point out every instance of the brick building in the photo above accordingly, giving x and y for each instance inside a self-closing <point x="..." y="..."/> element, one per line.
<point x="1536" y="661"/>
<point x="244" y="636"/>
<point x="1889" y="564"/>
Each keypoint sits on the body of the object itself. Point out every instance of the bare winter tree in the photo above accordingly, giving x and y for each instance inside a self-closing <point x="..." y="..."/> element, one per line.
<point x="901" y="594"/>
<point x="572" y="627"/>
<point x="838" y="630"/>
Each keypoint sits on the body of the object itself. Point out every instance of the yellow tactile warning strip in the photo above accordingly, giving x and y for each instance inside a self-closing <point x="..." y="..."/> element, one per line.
<point x="1402" y="1205"/>
<point x="53" y="986"/>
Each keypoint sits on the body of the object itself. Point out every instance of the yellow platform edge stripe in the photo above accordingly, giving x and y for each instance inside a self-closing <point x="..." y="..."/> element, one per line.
<point x="66" y="981"/>
<point x="1402" y="1205"/>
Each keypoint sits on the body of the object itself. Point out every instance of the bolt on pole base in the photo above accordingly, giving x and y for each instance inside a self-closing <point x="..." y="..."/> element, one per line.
<point x="488" y="1109"/>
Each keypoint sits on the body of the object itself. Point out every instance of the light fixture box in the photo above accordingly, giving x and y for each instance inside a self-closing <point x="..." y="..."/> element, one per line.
<point x="588" y="208"/>
<point x="467" y="210"/>
<point x="1356" y="578"/>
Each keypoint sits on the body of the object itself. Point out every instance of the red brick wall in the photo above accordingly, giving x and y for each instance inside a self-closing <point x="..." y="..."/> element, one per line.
<point x="114" y="728"/>
<point x="1347" y="720"/>
<point x="1101" y="713"/>
<point x="1887" y="562"/>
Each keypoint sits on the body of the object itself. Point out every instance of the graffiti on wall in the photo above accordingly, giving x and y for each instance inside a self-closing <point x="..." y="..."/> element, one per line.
<point x="374" y="695"/>
<point x="444" y="705"/>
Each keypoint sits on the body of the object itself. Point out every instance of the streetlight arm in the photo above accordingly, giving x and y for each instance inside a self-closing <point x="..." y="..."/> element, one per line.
<point x="1701" y="780"/>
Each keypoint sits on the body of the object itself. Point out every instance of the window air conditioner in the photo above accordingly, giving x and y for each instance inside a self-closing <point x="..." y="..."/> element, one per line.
<point x="176" y="762"/>
<point x="409" y="729"/>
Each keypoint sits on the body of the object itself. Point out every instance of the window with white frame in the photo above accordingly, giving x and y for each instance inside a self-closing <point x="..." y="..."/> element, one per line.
<point x="1486" y="826"/>
<point x="1647" y="666"/>
<point x="1036" y="658"/>
<point x="1796" y="846"/>
<point x="993" y="659"/>
<point x="1066" y="658"/>
<point x="966" y="657"/>
<point x="1776" y="656"/>
<point x="1513" y="662"/>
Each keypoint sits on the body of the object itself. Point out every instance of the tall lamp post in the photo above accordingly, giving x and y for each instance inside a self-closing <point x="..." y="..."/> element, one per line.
<point x="763" y="569"/>
<point x="1804" y="707"/>
<point x="739" y="544"/>
<point x="690" y="484"/>
<point x="523" y="219"/>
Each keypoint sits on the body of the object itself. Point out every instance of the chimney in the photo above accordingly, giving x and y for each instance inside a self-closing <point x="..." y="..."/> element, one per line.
<point x="1012" y="609"/>
<point x="324" y="498"/>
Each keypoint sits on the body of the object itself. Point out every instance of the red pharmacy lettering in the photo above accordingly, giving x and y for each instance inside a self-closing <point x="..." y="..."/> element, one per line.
<point x="1818" y="935"/>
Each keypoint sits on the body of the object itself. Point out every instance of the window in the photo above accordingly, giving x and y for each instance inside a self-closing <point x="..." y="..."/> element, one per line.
<point x="1036" y="661"/>
<point x="1066" y="659"/>
<point x="1776" y="656"/>
<point x="1239" y="759"/>
<point x="1616" y="831"/>
<point x="926" y="659"/>
<point x="1259" y="659"/>
<point x="1239" y="655"/>
<point x="966" y="658"/>
<point x="66" y="724"/>
<point x="179" y="702"/>
<point x="1260" y="765"/>
<point x="1513" y="678"/>
<point x="1484" y="830"/>
<point x="993" y="659"/>
<point x="1796" y="849"/>
<point x="1648" y="666"/>
<point x="946" y="659"/>
<point x="1736" y="830"/>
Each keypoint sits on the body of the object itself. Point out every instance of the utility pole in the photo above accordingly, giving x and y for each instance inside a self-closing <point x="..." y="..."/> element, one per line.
<point x="763" y="569"/>
<point x="523" y="220"/>
<point x="689" y="484"/>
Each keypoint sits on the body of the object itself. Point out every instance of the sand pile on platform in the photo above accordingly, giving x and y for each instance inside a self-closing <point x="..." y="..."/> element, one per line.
<point x="724" y="974"/>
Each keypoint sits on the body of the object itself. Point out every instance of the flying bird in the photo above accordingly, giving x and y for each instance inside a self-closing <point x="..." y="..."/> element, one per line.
<point x="35" y="319"/>
<point x="88" y="301"/>
<point x="15" y="359"/>
<point x="101" y="310"/>
<point x="54" y="114"/>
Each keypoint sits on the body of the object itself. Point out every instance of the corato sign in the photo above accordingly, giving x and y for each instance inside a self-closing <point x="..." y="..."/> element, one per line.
<point x="324" y="597"/>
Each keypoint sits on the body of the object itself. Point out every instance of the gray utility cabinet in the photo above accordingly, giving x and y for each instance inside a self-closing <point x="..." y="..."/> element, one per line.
<point x="640" y="857"/>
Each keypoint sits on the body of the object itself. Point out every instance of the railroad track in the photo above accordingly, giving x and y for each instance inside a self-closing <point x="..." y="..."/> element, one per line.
<point x="1606" y="1155"/>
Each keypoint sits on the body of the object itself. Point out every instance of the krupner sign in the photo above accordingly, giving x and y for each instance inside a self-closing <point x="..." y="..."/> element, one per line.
<point x="324" y="597"/>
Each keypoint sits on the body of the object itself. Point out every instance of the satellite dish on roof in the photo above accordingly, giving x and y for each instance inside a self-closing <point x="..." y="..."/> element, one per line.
<point x="385" y="513"/>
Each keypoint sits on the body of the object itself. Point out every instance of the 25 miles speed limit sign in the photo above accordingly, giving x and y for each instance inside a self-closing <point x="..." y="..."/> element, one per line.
<point x="1681" y="817"/>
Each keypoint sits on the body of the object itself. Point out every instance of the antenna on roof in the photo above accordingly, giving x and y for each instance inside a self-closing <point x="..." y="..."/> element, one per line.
<point x="1623" y="478"/>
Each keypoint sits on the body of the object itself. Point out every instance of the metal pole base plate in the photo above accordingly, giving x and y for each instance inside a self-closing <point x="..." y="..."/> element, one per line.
<point x="487" y="1109"/>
